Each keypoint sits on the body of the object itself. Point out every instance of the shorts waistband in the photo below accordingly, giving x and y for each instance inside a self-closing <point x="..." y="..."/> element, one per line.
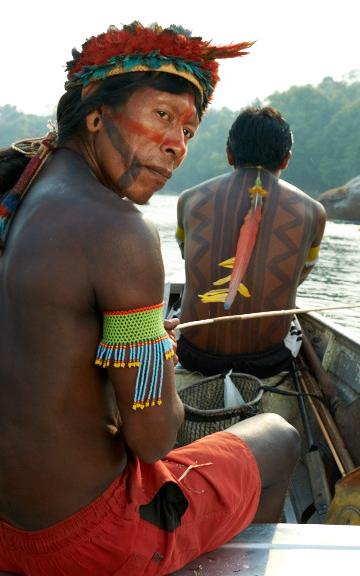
<point x="67" y="531"/>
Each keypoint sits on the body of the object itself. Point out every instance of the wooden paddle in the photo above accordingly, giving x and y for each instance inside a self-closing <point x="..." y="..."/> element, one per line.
<point x="263" y="315"/>
<point x="345" y="505"/>
<point x="312" y="457"/>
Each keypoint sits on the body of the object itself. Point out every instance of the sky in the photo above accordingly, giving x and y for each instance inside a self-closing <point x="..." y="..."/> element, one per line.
<point x="297" y="43"/>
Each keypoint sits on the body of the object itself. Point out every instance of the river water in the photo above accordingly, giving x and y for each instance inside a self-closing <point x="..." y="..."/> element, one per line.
<point x="334" y="280"/>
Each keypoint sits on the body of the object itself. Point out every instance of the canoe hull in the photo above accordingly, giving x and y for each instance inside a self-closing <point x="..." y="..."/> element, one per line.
<point x="338" y="354"/>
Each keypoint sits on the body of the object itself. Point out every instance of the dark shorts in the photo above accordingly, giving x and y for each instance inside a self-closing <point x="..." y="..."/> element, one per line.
<point x="260" y="364"/>
<point x="152" y="520"/>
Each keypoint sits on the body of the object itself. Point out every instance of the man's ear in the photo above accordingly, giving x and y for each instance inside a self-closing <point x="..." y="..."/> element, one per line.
<point x="94" y="121"/>
<point x="230" y="156"/>
<point x="286" y="161"/>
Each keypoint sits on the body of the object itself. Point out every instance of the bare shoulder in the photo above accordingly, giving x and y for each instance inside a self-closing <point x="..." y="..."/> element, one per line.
<point x="124" y="256"/>
<point x="285" y="185"/>
<point x="317" y="206"/>
<point x="205" y="189"/>
<point x="314" y="211"/>
<point x="116" y="217"/>
<point x="100" y="242"/>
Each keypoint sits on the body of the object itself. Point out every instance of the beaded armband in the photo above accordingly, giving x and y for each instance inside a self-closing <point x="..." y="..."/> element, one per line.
<point x="137" y="339"/>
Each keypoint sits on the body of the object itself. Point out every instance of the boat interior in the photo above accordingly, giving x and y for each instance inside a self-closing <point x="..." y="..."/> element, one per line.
<point x="320" y="526"/>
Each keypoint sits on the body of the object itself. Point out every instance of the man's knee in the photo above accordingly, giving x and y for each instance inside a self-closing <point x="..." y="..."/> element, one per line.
<point x="269" y="432"/>
<point x="284" y="436"/>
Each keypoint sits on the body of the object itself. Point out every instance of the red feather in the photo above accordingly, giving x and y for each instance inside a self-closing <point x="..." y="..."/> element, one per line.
<point x="244" y="250"/>
<point x="140" y="40"/>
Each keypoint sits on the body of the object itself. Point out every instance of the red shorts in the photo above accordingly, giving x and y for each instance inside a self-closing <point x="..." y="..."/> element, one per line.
<point x="218" y="498"/>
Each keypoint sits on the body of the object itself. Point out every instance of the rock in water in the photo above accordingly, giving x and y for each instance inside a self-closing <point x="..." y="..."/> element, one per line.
<point x="343" y="203"/>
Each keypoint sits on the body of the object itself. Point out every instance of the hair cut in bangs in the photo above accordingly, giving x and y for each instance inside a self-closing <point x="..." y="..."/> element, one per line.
<point x="115" y="91"/>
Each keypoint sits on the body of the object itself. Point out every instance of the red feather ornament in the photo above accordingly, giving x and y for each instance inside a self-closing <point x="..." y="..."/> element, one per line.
<point x="134" y="40"/>
<point x="246" y="241"/>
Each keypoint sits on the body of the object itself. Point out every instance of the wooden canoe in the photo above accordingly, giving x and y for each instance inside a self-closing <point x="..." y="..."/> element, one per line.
<point x="330" y="362"/>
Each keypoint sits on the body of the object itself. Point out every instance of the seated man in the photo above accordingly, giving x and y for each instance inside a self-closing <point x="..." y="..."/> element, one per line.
<point x="264" y="232"/>
<point x="89" y="414"/>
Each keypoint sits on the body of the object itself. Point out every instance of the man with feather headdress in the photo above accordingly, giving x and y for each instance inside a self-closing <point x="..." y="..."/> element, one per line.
<point x="89" y="483"/>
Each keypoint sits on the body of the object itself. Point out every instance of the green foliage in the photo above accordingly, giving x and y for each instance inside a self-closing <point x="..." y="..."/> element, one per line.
<point x="15" y="125"/>
<point x="206" y="157"/>
<point x="325" y="121"/>
<point x="342" y="139"/>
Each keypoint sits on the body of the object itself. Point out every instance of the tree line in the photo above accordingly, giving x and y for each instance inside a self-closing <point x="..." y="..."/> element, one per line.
<point x="325" y="120"/>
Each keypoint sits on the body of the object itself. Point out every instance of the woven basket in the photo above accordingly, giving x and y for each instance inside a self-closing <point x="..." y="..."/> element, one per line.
<point x="204" y="405"/>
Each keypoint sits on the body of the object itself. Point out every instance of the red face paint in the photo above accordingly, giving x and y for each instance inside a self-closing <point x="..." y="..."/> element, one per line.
<point x="189" y="113"/>
<point x="140" y="130"/>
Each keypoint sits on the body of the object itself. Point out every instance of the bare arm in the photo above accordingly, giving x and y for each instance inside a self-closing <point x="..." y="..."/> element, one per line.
<point x="132" y="278"/>
<point x="315" y="246"/>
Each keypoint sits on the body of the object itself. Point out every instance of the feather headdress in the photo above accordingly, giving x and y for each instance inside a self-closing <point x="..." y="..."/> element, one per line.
<point x="135" y="48"/>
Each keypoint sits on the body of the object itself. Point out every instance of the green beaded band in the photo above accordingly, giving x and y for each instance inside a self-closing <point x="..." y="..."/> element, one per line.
<point x="137" y="338"/>
<point x="133" y="325"/>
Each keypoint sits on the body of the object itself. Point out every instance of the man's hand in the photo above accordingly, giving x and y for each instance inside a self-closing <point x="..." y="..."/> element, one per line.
<point x="170" y="326"/>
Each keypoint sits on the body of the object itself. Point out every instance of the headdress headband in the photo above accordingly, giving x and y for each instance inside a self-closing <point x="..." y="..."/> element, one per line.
<point x="135" y="48"/>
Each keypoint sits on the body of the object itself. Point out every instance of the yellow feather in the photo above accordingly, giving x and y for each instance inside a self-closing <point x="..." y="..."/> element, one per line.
<point x="210" y="299"/>
<point x="244" y="291"/>
<point x="229" y="263"/>
<point x="222" y="281"/>
<point x="214" y="296"/>
<point x="219" y="291"/>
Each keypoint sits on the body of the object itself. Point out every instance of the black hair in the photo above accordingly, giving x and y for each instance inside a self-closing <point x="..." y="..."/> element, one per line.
<point x="260" y="137"/>
<point x="115" y="91"/>
<point x="12" y="164"/>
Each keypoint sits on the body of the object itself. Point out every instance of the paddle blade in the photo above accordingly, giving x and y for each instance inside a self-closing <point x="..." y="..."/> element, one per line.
<point x="345" y="506"/>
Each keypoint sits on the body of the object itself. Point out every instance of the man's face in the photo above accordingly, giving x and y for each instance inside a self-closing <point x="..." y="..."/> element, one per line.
<point x="141" y="143"/>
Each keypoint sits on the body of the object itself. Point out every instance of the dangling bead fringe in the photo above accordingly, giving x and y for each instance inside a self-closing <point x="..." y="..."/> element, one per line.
<point x="148" y="356"/>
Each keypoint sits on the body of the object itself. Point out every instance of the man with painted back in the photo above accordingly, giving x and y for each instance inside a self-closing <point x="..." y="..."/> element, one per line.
<point x="249" y="239"/>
